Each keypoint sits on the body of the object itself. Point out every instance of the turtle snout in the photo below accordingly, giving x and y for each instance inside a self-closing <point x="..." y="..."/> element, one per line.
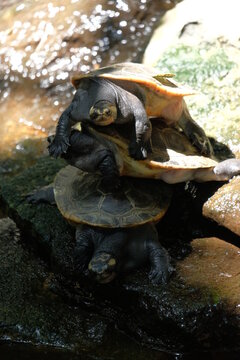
<point x="103" y="113"/>
<point x="95" y="114"/>
<point x="102" y="268"/>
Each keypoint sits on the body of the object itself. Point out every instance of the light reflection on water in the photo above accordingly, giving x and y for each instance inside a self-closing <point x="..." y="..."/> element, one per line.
<point x="43" y="42"/>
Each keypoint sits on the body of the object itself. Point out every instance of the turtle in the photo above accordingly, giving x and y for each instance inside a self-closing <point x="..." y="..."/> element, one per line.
<point x="123" y="93"/>
<point x="115" y="231"/>
<point x="173" y="159"/>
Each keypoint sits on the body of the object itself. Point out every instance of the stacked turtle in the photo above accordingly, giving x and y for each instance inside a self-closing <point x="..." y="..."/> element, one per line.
<point x="117" y="139"/>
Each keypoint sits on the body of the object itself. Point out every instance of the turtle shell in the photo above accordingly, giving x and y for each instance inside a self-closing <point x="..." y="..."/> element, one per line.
<point x="156" y="89"/>
<point x="173" y="159"/>
<point x="81" y="198"/>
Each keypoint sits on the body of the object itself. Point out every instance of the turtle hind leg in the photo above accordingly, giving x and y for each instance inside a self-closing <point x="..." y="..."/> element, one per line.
<point x="144" y="247"/>
<point x="83" y="249"/>
<point x="43" y="195"/>
<point x="195" y="133"/>
<point x="161" y="269"/>
<point x="226" y="169"/>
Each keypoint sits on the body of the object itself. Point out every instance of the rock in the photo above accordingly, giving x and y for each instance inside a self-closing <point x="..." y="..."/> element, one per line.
<point x="30" y="312"/>
<point x="206" y="57"/>
<point x="214" y="265"/>
<point x="9" y="230"/>
<point x="224" y="206"/>
<point x="182" y="315"/>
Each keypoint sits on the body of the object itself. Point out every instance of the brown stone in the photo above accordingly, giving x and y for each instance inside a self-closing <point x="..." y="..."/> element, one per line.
<point x="224" y="206"/>
<point x="214" y="265"/>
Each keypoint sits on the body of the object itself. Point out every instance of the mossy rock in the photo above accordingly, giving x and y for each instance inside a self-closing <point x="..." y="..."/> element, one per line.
<point x="212" y="69"/>
<point x="177" y="316"/>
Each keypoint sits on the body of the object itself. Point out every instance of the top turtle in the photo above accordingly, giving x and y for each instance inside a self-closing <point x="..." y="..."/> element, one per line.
<point x="128" y="92"/>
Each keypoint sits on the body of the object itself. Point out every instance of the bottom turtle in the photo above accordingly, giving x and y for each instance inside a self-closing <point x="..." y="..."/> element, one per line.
<point x="115" y="232"/>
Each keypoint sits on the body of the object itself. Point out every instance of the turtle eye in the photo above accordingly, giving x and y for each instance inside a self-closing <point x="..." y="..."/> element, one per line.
<point x="94" y="114"/>
<point x="107" y="112"/>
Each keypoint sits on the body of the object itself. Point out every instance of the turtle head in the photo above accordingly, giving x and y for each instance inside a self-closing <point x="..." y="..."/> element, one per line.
<point x="103" y="113"/>
<point x="103" y="267"/>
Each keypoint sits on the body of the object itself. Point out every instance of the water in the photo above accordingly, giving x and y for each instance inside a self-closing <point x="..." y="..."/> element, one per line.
<point x="28" y="352"/>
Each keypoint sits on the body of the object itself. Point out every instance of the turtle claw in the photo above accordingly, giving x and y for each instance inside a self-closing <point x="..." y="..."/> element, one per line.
<point x="202" y="143"/>
<point x="160" y="275"/>
<point x="58" y="146"/>
<point x="35" y="197"/>
<point x="31" y="198"/>
<point x="137" y="151"/>
<point x="157" y="277"/>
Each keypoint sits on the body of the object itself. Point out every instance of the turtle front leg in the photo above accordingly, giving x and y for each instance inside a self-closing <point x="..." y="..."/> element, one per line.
<point x="160" y="263"/>
<point x="43" y="195"/>
<point x="141" y="143"/>
<point x="83" y="249"/>
<point x="194" y="132"/>
<point x="109" y="170"/>
<point x="88" y="154"/>
<point x="60" y="143"/>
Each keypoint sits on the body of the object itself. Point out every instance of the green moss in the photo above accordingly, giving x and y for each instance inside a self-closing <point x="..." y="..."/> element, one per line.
<point x="213" y="70"/>
<point x="217" y="299"/>
<point x="39" y="221"/>
<point x="196" y="65"/>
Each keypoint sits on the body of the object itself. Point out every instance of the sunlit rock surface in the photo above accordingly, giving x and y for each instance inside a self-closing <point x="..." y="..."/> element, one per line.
<point x="189" y="313"/>
<point x="214" y="265"/>
<point x="224" y="206"/>
<point x="43" y="42"/>
<point x="199" y="43"/>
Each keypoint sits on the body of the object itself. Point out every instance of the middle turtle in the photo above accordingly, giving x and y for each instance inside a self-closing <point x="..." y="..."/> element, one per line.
<point x="128" y="92"/>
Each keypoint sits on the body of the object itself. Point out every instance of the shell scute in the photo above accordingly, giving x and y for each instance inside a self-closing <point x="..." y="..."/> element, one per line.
<point x="139" y="201"/>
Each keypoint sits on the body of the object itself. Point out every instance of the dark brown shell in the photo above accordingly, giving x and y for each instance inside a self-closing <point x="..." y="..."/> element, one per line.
<point x="81" y="199"/>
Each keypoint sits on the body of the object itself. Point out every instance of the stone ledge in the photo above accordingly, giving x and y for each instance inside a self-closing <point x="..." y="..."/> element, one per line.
<point x="190" y="312"/>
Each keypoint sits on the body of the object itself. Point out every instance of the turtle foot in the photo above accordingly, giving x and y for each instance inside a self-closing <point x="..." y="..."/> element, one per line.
<point x="160" y="275"/>
<point x="137" y="151"/>
<point x="33" y="198"/>
<point x="43" y="195"/>
<point x="58" y="146"/>
<point x="201" y="142"/>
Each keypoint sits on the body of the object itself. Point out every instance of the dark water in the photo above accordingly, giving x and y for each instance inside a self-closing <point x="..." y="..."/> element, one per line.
<point x="29" y="352"/>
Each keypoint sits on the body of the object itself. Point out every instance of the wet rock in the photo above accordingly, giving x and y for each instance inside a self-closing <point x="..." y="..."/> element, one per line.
<point x="182" y="315"/>
<point x="31" y="313"/>
<point x="55" y="40"/>
<point x="214" y="265"/>
<point x="9" y="230"/>
<point x="28" y="310"/>
<point x="224" y="206"/>
<point x="203" y="52"/>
